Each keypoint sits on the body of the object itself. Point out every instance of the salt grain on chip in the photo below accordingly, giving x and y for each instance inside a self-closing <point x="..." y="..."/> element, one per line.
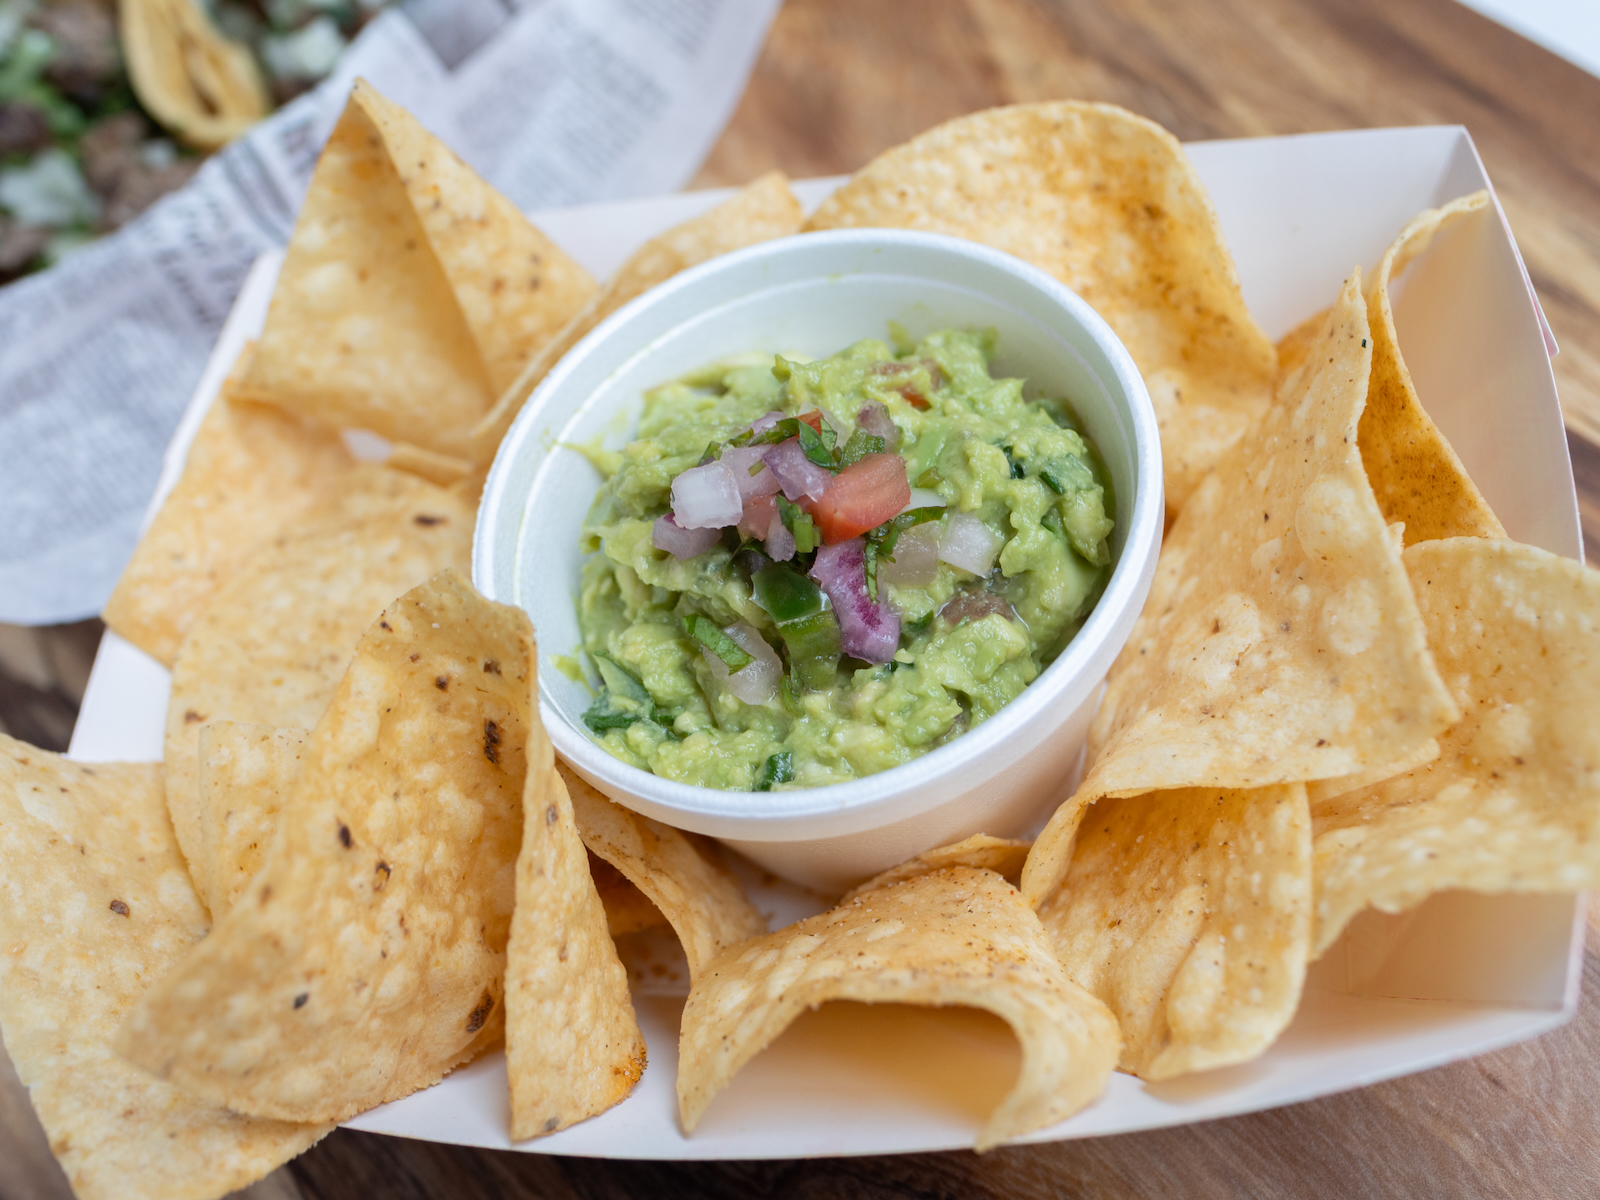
<point x="95" y="905"/>
<point x="957" y="936"/>
<point x="1280" y="641"/>
<point x="1189" y="913"/>
<point x="1109" y="204"/>
<point x="1512" y="803"/>
<point x="368" y="957"/>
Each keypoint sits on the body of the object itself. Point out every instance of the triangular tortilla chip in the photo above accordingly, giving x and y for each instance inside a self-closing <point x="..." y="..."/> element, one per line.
<point x="764" y="210"/>
<point x="95" y="906"/>
<point x="953" y="936"/>
<point x="1109" y="204"/>
<point x="368" y="957"/>
<point x="273" y="643"/>
<point x="1414" y="473"/>
<point x="573" y="1046"/>
<point x="1512" y="803"/>
<point x="703" y="903"/>
<point x="1189" y="914"/>
<point x="251" y="470"/>
<point x="1003" y="856"/>
<point x="515" y="287"/>
<point x="1280" y="642"/>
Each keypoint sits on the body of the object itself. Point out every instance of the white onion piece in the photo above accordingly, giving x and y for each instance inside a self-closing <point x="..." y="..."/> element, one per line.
<point x="874" y="419"/>
<point x="766" y="422"/>
<point x="755" y="682"/>
<point x="739" y="460"/>
<point x="780" y="542"/>
<point x="666" y="534"/>
<point x="924" y="498"/>
<point x="969" y="544"/>
<point x="706" y="497"/>
<point x="916" y="558"/>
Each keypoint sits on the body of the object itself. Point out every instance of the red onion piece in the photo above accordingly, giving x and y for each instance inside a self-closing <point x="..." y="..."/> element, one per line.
<point x="800" y="478"/>
<point x="916" y="558"/>
<point x="868" y="630"/>
<point x="740" y="460"/>
<point x="874" y="419"/>
<point x="679" y="542"/>
<point x="975" y="606"/>
<point x="780" y="542"/>
<point x="707" y="497"/>
<point x="757" y="517"/>
<point x="766" y="422"/>
<point x="969" y="544"/>
<point x="755" y="682"/>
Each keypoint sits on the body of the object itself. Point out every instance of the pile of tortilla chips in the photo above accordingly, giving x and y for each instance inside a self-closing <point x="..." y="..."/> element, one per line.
<point x="360" y="865"/>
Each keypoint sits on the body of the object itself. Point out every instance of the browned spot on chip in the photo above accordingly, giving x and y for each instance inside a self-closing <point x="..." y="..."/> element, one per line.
<point x="480" y="1013"/>
<point x="442" y="682"/>
<point x="426" y="519"/>
<point x="491" y="741"/>
<point x="344" y="835"/>
<point x="119" y="907"/>
<point x="190" y="717"/>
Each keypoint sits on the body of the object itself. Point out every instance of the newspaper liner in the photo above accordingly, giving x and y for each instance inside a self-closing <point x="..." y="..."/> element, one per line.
<point x="94" y="905"/>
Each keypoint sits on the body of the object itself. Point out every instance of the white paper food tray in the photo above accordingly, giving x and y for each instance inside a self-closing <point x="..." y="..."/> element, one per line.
<point x="1461" y="975"/>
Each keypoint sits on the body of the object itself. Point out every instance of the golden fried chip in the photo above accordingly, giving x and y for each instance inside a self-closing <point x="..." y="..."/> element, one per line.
<point x="1512" y="804"/>
<point x="1296" y="344"/>
<point x="271" y="646"/>
<point x="703" y="903"/>
<point x="953" y="936"/>
<point x="1189" y="913"/>
<point x="573" y="1046"/>
<point x="1415" y="475"/>
<point x="628" y="910"/>
<point x="94" y="905"/>
<point x="368" y="956"/>
<point x="515" y="287"/>
<point x="1003" y="856"/>
<point x="252" y="470"/>
<point x="246" y="775"/>
<point x="1280" y="642"/>
<point x="410" y="291"/>
<point x="763" y="210"/>
<point x="446" y="470"/>
<point x="1109" y="204"/>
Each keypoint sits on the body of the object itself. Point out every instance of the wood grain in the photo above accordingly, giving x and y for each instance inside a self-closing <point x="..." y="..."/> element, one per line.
<point x="841" y="80"/>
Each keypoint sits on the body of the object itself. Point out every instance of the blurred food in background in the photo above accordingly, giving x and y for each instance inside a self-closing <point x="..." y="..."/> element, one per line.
<point x="107" y="107"/>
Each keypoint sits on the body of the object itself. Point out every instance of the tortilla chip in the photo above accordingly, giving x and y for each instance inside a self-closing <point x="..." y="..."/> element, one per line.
<point x="94" y="904"/>
<point x="1003" y="856"/>
<point x="1296" y="344"/>
<point x="1512" y="804"/>
<point x="1415" y="475"/>
<point x="251" y="470"/>
<point x="628" y="910"/>
<point x="273" y="643"/>
<point x="1189" y="913"/>
<point x="1108" y="203"/>
<point x="1280" y="642"/>
<point x="1321" y="790"/>
<point x="953" y="936"/>
<point x="247" y="773"/>
<point x="446" y="470"/>
<point x="515" y="287"/>
<point x="764" y="210"/>
<point x="703" y="903"/>
<point x="573" y="1046"/>
<point x="368" y="956"/>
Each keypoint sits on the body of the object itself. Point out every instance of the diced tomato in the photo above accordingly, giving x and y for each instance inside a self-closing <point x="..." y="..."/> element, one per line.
<point x="813" y="419"/>
<point x="914" y="397"/>
<point x="861" y="497"/>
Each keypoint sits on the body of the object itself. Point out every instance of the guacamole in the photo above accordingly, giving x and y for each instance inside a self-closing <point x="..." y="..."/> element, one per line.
<point x="806" y="572"/>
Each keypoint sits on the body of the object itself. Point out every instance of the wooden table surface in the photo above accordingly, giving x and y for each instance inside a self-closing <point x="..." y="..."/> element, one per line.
<point x="840" y="80"/>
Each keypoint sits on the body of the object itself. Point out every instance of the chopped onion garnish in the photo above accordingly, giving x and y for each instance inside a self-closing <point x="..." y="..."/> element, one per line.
<point x="780" y="542"/>
<point x="742" y="460"/>
<point x="766" y="422"/>
<point x="868" y="629"/>
<point x="679" y="542"/>
<point x="969" y="544"/>
<point x="757" y="517"/>
<point x="800" y="478"/>
<point x="924" y="498"/>
<point x="874" y="419"/>
<point x="916" y="558"/>
<point x="756" y="682"/>
<point x="707" y="497"/>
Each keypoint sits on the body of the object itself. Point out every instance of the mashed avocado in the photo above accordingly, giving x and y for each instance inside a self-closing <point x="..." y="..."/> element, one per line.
<point x="752" y="631"/>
